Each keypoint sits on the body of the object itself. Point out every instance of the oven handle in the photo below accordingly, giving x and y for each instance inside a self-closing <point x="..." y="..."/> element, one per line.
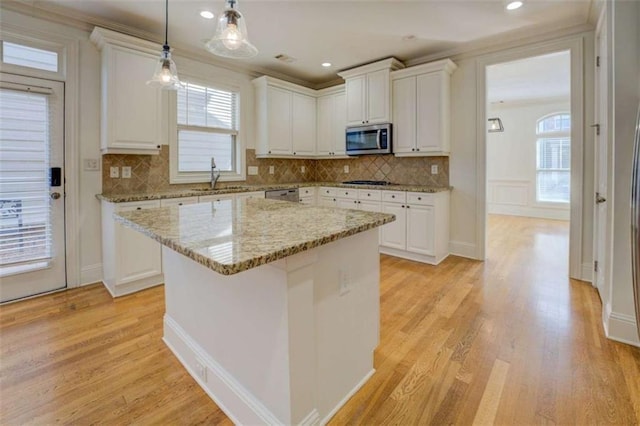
<point x="378" y="138"/>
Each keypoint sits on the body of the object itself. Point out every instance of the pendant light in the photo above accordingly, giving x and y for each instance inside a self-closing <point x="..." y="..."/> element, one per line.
<point x="231" y="39"/>
<point x="165" y="76"/>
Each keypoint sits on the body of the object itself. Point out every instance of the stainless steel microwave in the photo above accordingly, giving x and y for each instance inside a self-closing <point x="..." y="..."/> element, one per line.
<point x="373" y="139"/>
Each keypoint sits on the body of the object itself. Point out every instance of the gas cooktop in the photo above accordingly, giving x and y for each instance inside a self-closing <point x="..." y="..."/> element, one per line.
<point x="367" y="182"/>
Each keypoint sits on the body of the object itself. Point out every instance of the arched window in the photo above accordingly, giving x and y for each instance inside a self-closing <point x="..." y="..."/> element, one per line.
<point x="553" y="162"/>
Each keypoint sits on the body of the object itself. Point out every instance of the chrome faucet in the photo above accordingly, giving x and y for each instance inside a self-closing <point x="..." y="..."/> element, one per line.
<point x="215" y="174"/>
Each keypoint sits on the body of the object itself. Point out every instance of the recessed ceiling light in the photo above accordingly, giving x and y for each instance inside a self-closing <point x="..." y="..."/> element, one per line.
<point x="206" y="14"/>
<point x="326" y="64"/>
<point x="513" y="5"/>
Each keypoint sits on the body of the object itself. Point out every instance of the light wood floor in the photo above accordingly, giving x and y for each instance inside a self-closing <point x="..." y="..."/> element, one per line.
<point x="509" y="341"/>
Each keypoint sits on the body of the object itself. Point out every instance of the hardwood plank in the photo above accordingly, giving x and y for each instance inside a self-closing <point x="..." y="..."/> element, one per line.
<point x="507" y="341"/>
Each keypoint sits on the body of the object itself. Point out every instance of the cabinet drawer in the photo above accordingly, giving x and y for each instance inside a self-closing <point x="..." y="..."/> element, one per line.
<point x="178" y="201"/>
<point x="209" y="198"/>
<point x="348" y="193"/>
<point x="137" y="205"/>
<point x="328" y="192"/>
<point x="369" y="194"/>
<point x="420" y="198"/>
<point x="394" y="196"/>
<point x="307" y="192"/>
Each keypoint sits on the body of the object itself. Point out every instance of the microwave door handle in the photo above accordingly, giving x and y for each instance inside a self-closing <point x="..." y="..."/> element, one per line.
<point x="378" y="138"/>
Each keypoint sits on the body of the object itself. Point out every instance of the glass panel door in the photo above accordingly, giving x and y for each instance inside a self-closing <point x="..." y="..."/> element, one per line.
<point x="32" y="250"/>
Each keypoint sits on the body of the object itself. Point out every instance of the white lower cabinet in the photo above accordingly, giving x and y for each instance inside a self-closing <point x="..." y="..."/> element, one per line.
<point x="247" y="195"/>
<point x="421" y="229"/>
<point x="307" y="195"/>
<point x="209" y="198"/>
<point x="183" y="201"/>
<point x="131" y="261"/>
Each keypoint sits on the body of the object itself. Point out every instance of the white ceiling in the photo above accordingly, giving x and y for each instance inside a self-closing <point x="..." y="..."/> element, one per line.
<point x="539" y="77"/>
<point x="345" y="33"/>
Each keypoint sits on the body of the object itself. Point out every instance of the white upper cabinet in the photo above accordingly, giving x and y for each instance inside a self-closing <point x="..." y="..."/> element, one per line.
<point x="368" y="92"/>
<point x="332" y="122"/>
<point x="285" y="119"/>
<point x="131" y="111"/>
<point x="303" y="127"/>
<point x="421" y="109"/>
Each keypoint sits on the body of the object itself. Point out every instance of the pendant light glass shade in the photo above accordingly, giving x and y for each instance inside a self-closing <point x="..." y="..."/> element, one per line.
<point x="165" y="76"/>
<point x="231" y="39"/>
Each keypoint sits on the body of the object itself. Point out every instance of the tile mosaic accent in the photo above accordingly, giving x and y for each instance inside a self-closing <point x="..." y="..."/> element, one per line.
<point x="150" y="173"/>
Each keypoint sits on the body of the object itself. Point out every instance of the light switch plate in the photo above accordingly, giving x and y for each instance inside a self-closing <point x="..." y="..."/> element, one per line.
<point x="272" y="170"/>
<point x="91" y="165"/>
<point x="303" y="169"/>
<point x="434" y="169"/>
<point x="126" y="172"/>
<point x="114" y="172"/>
<point x="252" y="170"/>
<point x="346" y="169"/>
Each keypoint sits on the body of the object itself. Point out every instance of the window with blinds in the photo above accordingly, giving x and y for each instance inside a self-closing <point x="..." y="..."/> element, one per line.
<point x="553" y="162"/>
<point x="25" y="208"/>
<point x="207" y="127"/>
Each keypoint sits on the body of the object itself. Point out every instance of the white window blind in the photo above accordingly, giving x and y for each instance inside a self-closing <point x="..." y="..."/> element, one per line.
<point x="207" y="127"/>
<point x="25" y="206"/>
<point x="553" y="162"/>
<point x="31" y="57"/>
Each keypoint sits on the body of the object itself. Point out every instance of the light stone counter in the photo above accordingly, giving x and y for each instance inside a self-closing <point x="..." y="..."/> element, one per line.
<point x="234" y="236"/>
<point x="144" y="196"/>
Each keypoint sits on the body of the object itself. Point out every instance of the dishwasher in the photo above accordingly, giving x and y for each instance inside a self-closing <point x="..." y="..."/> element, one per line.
<point x="283" y="195"/>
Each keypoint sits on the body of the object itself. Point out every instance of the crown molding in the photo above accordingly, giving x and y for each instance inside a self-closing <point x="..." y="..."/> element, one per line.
<point x="496" y="43"/>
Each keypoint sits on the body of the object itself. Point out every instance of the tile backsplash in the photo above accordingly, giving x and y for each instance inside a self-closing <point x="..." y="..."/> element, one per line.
<point x="150" y="173"/>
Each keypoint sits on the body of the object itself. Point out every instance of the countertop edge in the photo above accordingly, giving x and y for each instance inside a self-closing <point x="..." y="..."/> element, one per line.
<point x="124" y="198"/>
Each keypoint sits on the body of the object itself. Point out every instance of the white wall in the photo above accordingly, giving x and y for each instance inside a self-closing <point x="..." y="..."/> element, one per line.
<point x="624" y="67"/>
<point x="511" y="159"/>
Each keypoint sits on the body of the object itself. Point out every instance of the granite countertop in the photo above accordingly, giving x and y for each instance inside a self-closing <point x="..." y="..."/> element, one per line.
<point x="233" y="236"/>
<point x="122" y="198"/>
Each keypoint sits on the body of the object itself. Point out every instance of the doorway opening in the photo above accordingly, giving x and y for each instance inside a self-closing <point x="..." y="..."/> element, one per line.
<point x="528" y="151"/>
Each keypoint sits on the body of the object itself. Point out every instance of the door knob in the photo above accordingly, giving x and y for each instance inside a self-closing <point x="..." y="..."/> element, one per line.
<point x="55" y="195"/>
<point x="599" y="198"/>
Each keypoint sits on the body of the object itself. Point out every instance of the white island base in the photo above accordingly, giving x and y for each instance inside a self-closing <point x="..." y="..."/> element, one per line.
<point x="288" y="342"/>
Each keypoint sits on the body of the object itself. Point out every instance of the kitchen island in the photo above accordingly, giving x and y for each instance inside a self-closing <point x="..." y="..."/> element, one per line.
<point x="271" y="306"/>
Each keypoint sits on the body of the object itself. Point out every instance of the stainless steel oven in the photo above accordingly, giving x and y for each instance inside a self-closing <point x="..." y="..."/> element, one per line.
<point x="373" y="139"/>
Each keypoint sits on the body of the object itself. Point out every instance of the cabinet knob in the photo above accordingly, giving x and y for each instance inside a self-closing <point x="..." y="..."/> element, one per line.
<point x="419" y="198"/>
<point x="294" y="153"/>
<point x="269" y="152"/>
<point x="158" y="146"/>
<point x="417" y="149"/>
<point x="138" y="208"/>
<point x="403" y="206"/>
<point x="355" y="202"/>
<point x="393" y="196"/>
<point x="179" y="204"/>
<point x="408" y="206"/>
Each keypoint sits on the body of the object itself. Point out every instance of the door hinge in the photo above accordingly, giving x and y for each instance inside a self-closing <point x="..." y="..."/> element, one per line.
<point x="597" y="61"/>
<point x="595" y="266"/>
<point x="597" y="126"/>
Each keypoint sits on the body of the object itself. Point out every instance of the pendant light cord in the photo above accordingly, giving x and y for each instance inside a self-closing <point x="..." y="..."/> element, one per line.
<point x="166" y="22"/>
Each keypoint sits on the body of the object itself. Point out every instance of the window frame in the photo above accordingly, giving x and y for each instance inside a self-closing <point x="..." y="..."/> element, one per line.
<point x="556" y="134"/>
<point x="176" y="176"/>
<point x="59" y="49"/>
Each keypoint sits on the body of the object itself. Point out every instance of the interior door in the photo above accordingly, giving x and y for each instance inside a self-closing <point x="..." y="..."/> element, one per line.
<point x="32" y="246"/>
<point x="601" y="168"/>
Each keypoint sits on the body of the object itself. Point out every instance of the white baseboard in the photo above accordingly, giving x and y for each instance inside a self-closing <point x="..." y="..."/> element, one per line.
<point x="232" y="398"/>
<point x="621" y="328"/>
<point x="459" y="248"/>
<point x="527" y="211"/>
<point x="90" y="274"/>
<point x="431" y="260"/>
<point x="587" y="272"/>
<point x="344" y="400"/>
